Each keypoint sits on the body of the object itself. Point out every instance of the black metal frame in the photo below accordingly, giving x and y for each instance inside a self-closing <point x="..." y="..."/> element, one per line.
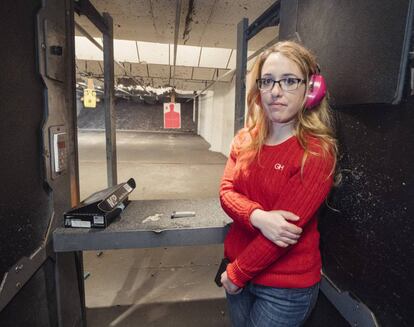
<point x="54" y="29"/>
<point x="271" y="17"/>
<point x="105" y="25"/>
<point x="109" y="95"/>
<point x="84" y="7"/>
<point x="241" y="64"/>
<point x="352" y="310"/>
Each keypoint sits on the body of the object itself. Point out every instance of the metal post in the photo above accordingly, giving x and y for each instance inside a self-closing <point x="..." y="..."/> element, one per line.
<point x="176" y="31"/>
<point x="110" y="117"/>
<point x="81" y="284"/>
<point x="241" y="74"/>
<point x="72" y="115"/>
<point x="270" y="17"/>
<point x="196" y="112"/>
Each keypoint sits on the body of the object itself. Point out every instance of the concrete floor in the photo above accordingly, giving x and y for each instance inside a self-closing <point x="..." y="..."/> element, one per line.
<point x="160" y="286"/>
<point x="164" y="166"/>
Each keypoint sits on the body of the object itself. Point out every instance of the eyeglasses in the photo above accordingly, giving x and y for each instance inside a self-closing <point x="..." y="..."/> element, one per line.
<point x="286" y="84"/>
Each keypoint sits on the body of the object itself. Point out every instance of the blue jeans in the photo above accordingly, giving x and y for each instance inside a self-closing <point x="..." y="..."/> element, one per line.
<point x="263" y="306"/>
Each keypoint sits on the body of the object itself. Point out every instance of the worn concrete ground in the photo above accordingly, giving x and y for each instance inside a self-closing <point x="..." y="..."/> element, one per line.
<point x="159" y="286"/>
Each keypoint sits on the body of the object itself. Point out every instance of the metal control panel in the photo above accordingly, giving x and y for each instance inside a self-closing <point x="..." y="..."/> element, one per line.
<point x="58" y="149"/>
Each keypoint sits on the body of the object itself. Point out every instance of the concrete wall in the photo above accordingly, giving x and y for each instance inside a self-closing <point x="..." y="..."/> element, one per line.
<point x="133" y="115"/>
<point x="216" y="117"/>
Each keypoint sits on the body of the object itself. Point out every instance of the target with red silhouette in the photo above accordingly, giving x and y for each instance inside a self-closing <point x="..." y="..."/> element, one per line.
<point x="172" y="115"/>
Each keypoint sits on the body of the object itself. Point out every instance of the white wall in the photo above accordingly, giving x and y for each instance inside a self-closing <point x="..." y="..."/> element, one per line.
<point x="205" y="108"/>
<point x="216" y="117"/>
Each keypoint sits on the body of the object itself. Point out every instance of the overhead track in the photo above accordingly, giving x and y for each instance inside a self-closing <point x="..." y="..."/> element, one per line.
<point x="245" y="32"/>
<point x="95" y="43"/>
<point x="270" y="17"/>
<point x="176" y="31"/>
<point x="253" y="55"/>
<point x="84" y="7"/>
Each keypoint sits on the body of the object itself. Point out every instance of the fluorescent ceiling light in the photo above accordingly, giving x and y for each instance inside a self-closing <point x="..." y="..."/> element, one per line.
<point x="158" y="53"/>
<point x="125" y="51"/>
<point x="154" y="53"/>
<point x="86" y="50"/>
<point x="214" y="57"/>
<point x="186" y="55"/>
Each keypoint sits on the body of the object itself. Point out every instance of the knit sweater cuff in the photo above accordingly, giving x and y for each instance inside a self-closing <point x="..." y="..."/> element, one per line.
<point x="249" y="213"/>
<point x="237" y="276"/>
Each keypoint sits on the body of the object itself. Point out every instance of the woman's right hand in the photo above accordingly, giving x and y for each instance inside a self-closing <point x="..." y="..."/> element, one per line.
<point x="275" y="226"/>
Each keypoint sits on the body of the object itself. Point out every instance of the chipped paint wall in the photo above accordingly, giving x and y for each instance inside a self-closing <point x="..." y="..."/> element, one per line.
<point x="367" y="242"/>
<point x="200" y="21"/>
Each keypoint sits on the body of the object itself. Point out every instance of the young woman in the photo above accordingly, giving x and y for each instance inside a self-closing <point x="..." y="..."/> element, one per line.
<point x="279" y="172"/>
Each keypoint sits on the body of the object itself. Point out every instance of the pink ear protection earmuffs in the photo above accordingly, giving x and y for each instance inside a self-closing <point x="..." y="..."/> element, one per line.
<point x="316" y="91"/>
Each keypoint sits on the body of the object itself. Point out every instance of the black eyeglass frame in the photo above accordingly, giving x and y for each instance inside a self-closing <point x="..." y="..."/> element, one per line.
<point x="298" y="80"/>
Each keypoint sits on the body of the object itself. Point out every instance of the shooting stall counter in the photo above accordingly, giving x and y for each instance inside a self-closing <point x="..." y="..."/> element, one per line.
<point x="148" y="223"/>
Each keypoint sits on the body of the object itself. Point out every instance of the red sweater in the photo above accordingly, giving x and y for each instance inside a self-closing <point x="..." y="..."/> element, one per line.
<point x="275" y="183"/>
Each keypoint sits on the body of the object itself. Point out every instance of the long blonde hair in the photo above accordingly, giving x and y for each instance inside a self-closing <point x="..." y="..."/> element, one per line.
<point x="315" y="122"/>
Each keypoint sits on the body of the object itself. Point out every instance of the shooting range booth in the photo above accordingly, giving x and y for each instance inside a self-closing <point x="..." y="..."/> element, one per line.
<point x="365" y="52"/>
